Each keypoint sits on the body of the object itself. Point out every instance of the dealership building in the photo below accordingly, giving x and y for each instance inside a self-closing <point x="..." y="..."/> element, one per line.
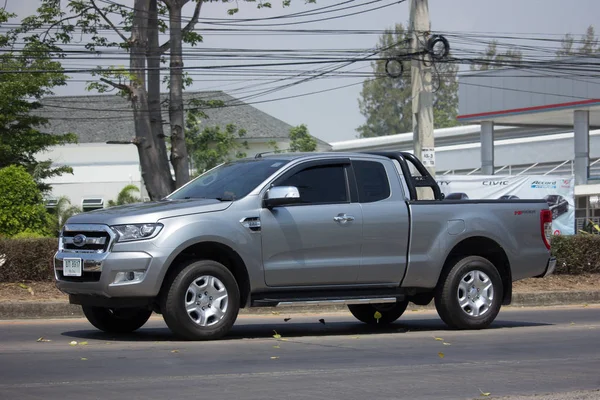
<point x="521" y="121"/>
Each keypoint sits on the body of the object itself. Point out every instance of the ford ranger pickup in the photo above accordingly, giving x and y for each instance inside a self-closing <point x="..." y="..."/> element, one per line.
<point x="298" y="229"/>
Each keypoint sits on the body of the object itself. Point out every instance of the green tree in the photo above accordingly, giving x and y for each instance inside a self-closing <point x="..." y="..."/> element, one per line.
<point x="21" y="131"/>
<point x="127" y="195"/>
<point x="493" y="59"/>
<point x="21" y="206"/>
<point x="301" y="140"/>
<point x="386" y="102"/>
<point x="588" y="44"/>
<point x="137" y="28"/>
<point x="212" y="145"/>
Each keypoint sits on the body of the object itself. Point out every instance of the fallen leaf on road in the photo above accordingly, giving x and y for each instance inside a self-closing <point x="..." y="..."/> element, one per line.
<point x="276" y="346"/>
<point x="276" y="335"/>
<point x="377" y="316"/>
<point x="275" y="312"/>
<point x="73" y="343"/>
<point x="415" y="310"/>
<point x="83" y="343"/>
<point x="484" y="393"/>
<point x="572" y="323"/>
<point x="439" y="339"/>
<point x="174" y="351"/>
<point x="355" y="337"/>
<point x="286" y="319"/>
<point x="274" y="358"/>
<point x="441" y="355"/>
<point x="83" y="359"/>
<point x="446" y="344"/>
<point x="43" y="340"/>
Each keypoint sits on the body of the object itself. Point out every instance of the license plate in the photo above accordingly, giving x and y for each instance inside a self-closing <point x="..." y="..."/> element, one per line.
<point x="72" y="267"/>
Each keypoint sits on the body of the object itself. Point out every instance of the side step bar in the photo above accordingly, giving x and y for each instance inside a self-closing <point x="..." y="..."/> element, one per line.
<point x="336" y="301"/>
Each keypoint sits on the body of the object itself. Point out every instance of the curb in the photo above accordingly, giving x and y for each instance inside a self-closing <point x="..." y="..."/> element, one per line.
<point x="34" y="310"/>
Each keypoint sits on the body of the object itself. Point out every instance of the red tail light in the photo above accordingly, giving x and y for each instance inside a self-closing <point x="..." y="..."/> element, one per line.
<point x="546" y="226"/>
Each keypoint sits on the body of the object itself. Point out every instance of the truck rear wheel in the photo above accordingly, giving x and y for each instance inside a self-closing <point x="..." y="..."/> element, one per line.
<point x="469" y="295"/>
<point x="389" y="312"/>
<point x="117" y="320"/>
<point x="202" y="301"/>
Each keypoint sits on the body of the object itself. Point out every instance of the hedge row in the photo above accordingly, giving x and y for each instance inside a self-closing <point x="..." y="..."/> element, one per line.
<point x="31" y="259"/>
<point x="27" y="259"/>
<point x="575" y="255"/>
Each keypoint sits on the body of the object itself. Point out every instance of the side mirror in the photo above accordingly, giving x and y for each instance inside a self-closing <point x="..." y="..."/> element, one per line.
<point x="281" y="195"/>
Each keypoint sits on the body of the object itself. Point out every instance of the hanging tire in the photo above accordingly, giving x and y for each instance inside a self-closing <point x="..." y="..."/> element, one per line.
<point x="469" y="295"/>
<point x="117" y="320"/>
<point x="201" y="302"/>
<point x="390" y="312"/>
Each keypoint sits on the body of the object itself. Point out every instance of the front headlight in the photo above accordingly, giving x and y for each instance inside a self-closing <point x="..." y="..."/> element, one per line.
<point x="131" y="232"/>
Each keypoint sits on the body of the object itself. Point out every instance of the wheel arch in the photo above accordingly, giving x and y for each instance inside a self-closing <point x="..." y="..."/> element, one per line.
<point x="483" y="247"/>
<point x="215" y="251"/>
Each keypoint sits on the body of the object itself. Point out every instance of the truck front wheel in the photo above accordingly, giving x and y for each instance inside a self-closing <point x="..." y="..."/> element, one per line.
<point x="469" y="295"/>
<point x="117" y="320"/>
<point x="388" y="312"/>
<point x="202" y="301"/>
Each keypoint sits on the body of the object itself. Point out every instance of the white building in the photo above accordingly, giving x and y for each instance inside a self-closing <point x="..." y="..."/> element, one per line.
<point x="101" y="170"/>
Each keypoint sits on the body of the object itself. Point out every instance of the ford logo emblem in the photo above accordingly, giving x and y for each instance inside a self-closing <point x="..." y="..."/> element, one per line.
<point x="79" y="240"/>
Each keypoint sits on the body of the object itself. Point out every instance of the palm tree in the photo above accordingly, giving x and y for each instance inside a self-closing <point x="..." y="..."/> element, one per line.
<point x="62" y="212"/>
<point x="126" y="196"/>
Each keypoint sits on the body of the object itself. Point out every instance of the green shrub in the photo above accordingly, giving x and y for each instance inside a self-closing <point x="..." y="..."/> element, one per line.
<point x="27" y="259"/>
<point x="577" y="254"/>
<point x="21" y="206"/>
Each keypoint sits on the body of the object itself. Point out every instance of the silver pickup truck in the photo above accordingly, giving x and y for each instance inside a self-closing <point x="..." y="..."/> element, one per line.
<point x="287" y="229"/>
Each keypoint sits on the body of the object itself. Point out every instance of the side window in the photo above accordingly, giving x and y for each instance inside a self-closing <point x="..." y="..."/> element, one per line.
<point x="372" y="181"/>
<point x="320" y="185"/>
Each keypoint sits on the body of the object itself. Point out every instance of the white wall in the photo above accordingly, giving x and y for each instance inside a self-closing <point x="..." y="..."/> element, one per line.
<point x="99" y="170"/>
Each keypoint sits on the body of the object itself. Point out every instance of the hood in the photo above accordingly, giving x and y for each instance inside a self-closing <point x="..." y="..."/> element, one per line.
<point x="148" y="212"/>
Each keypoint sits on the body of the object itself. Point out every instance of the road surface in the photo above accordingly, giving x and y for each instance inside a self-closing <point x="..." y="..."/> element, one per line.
<point x="527" y="351"/>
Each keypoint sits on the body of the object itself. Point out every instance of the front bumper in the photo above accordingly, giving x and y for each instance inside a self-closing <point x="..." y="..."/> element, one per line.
<point x="550" y="267"/>
<point x="99" y="271"/>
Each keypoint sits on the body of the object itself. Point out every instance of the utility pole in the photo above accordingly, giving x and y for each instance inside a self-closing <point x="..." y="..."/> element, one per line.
<point x="422" y="97"/>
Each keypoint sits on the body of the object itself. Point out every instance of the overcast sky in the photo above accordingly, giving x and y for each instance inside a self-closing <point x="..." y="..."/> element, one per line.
<point x="334" y="115"/>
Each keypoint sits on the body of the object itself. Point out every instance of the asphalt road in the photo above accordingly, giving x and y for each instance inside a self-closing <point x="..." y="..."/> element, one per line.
<point x="527" y="351"/>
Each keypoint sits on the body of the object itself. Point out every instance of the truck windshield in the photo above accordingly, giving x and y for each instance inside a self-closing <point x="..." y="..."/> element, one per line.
<point x="230" y="181"/>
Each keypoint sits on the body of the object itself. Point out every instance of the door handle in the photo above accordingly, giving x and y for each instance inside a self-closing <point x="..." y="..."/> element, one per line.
<point x="343" y="218"/>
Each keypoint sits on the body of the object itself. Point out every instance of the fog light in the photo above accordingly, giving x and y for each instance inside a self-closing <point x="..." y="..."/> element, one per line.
<point x="129" y="277"/>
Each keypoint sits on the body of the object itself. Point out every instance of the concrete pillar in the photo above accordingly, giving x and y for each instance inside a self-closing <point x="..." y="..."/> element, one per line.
<point x="581" y="124"/>
<point x="487" y="148"/>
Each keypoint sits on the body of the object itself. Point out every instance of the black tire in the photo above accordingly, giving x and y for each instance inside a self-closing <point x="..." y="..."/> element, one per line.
<point x="176" y="294"/>
<point x="447" y="294"/>
<point x="389" y="312"/>
<point x="117" y="320"/>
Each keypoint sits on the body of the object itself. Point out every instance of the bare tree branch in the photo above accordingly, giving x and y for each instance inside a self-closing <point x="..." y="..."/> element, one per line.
<point x="190" y="25"/>
<point x="109" y="22"/>
<point x="119" y="86"/>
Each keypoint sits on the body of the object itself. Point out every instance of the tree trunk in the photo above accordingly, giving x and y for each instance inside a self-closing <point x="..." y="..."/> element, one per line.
<point x="154" y="177"/>
<point x="154" y="100"/>
<point x="179" y="156"/>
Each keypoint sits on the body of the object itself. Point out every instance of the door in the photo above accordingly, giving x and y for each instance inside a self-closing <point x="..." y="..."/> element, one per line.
<point x="385" y="223"/>
<point x="316" y="242"/>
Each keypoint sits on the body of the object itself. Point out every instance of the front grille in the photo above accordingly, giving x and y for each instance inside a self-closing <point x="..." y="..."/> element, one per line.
<point x="93" y="241"/>
<point x="86" y="277"/>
